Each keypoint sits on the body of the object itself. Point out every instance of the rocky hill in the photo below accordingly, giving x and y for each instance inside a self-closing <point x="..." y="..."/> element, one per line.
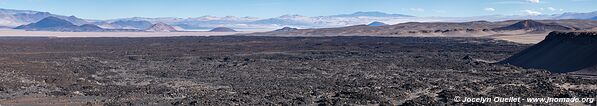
<point x="161" y="27"/>
<point x="561" y="52"/>
<point x="222" y="29"/>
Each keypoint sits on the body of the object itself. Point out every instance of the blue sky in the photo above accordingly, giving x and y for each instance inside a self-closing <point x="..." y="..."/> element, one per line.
<point x="110" y="9"/>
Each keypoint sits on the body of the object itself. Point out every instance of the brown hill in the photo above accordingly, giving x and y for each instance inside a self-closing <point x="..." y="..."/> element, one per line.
<point x="561" y="52"/>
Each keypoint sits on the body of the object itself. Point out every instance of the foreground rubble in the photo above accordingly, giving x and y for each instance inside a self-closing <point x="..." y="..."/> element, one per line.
<point x="237" y="70"/>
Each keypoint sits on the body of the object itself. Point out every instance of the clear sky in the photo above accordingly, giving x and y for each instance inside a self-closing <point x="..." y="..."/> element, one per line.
<point x="110" y="9"/>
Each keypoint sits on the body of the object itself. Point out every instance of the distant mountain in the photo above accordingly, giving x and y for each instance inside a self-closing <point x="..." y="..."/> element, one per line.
<point x="5" y="27"/>
<point x="283" y="22"/>
<point x="57" y="24"/>
<point x="11" y="11"/>
<point x="48" y="23"/>
<point x="594" y="18"/>
<point x="577" y="15"/>
<point x="286" y="29"/>
<point x="530" y="25"/>
<point x="9" y="17"/>
<point x="371" y="14"/>
<point x="161" y="27"/>
<point x="455" y="29"/>
<point x="342" y="20"/>
<point x="222" y="29"/>
<point x="204" y="22"/>
<point x="377" y="23"/>
<point x="130" y="24"/>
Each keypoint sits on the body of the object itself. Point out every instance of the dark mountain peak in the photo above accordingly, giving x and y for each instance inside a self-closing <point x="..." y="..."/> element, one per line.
<point x="47" y="22"/>
<point x="222" y="29"/>
<point x="55" y="21"/>
<point x="72" y="17"/>
<point x="377" y="23"/>
<point x="56" y="24"/>
<point x="285" y="29"/>
<point x="528" y="23"/>
<point x="161" y="27"/>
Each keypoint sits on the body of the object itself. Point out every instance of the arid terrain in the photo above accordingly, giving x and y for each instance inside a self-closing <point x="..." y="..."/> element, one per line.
<point x="245" y="70"/>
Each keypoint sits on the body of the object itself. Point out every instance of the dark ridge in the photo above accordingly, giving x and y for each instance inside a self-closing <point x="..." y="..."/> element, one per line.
<point x="560" y="52"/>
<point x="533" y="26"/>
<point x="285" y="29"/>
<point x="222" y="29"/>
<point x="47" y="22"/>
<point x="57" y="24"/>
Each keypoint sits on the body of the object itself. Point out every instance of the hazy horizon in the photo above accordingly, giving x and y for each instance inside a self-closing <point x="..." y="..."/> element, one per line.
<point x="110" y="9"/>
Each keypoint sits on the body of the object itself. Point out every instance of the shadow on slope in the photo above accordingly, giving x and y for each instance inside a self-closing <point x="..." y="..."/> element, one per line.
<point x="560" y="52"/>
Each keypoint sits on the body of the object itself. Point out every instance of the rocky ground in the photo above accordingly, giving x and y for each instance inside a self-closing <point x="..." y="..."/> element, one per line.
<point x="236" y="70"/>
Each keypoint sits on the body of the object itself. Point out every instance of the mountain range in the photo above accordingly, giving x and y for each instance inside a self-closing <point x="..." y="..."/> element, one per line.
<point x="14" y="18"/>
<point x="446" y="29"/>
<point x="56" y="24"/>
